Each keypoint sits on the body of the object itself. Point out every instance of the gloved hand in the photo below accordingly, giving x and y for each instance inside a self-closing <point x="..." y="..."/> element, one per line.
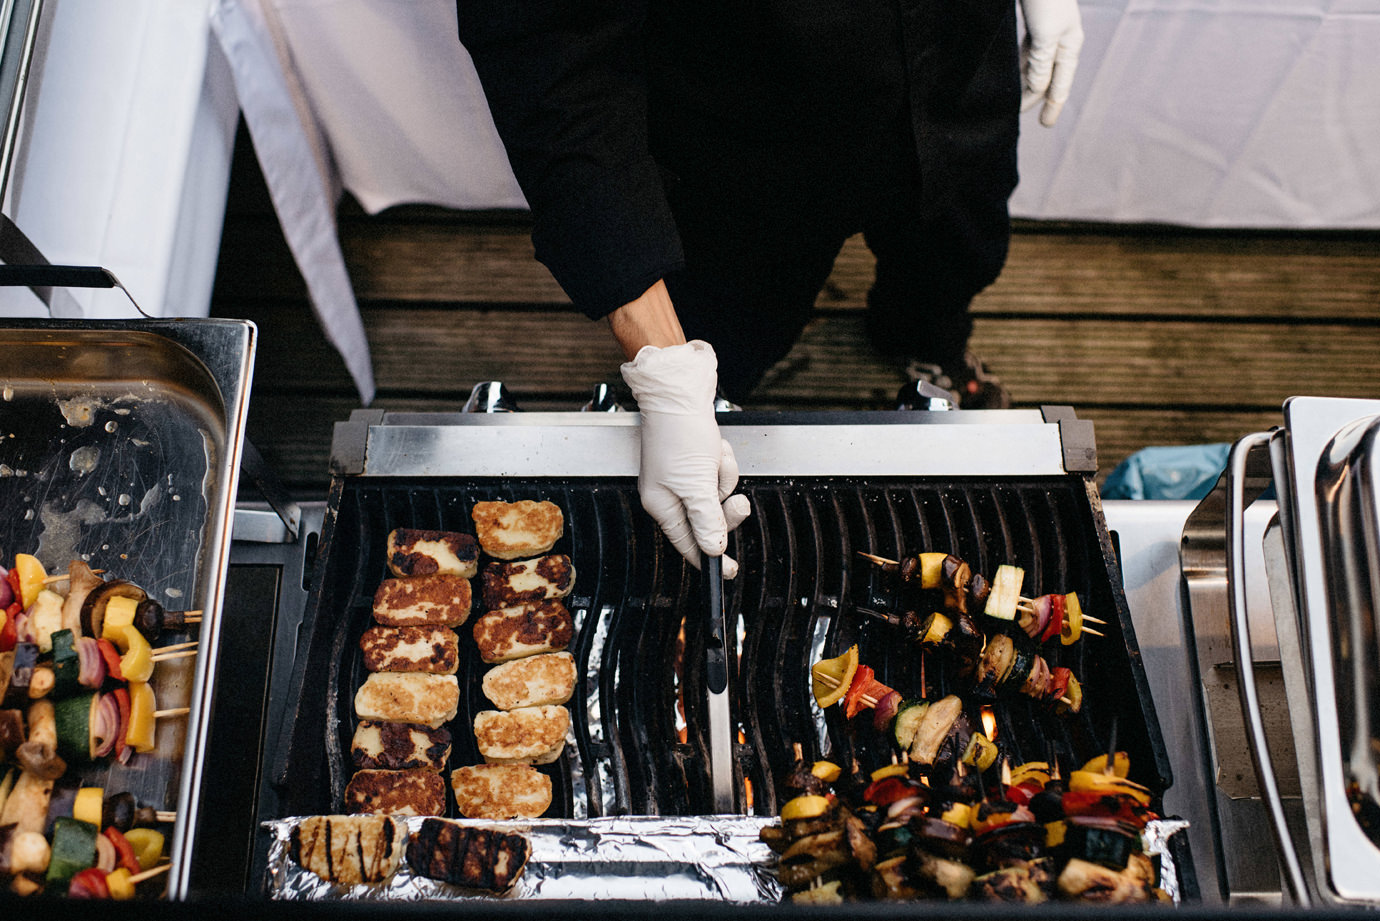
<point x="688" y="472"/>
<point x="1049" y="55"/>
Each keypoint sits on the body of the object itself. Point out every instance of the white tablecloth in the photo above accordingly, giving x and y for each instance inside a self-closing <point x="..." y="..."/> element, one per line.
<point x="1212" y="113"/>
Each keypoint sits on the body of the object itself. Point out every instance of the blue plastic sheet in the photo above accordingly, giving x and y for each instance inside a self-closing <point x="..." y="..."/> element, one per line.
<point x="1177" y="472"/>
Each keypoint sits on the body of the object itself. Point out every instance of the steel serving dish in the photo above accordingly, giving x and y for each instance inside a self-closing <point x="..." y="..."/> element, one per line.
<point x="120" y="445"/>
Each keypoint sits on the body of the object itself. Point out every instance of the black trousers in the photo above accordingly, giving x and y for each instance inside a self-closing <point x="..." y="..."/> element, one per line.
<point x="762" y="221"/>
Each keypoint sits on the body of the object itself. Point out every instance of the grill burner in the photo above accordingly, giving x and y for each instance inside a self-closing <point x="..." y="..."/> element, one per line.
<point x="638" y="713"/>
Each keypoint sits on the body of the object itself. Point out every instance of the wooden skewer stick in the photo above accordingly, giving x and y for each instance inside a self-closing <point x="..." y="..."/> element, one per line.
<point x="63" y="576"/>
<point x="175" y="711"/>
<point x="834" y="682"/>
<point x="180" y="654"/>
<point x="1093" y="632"/>
<point x="150" y="873"/>
<point x="191" y="617"/>
<point x="1094" y="620"/>
<point x="174" y="647"/>
<point x="165" y="816"/>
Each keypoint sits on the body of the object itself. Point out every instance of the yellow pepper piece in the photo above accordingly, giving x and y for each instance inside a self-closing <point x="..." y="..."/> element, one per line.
<point x="119" y="613"/>
<point x="826" y="771"/>
<point x="137" y="662"/>
<point x="1072" y="627"/>
<point x="87" y="805"/>
<point x="1032" y="771"/>
<point x="808" y="806"/>
<point x="1108" y="785"/>
<point x="31" y="576"/>
<point x="889" y="770"/>
<point x="140" y="735"/>
<point x="1121" y="765"/>
<point x="830" y="678"/>
<point x="1055" y="832"/>
<point x="118" y="882"/>
<point x="932" y="569"/>
<point x="960" y="814"/>
<point x="147" y="844"/>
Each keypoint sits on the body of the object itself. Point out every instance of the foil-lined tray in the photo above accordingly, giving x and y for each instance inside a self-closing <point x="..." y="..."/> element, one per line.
<point x="717" y="858"/>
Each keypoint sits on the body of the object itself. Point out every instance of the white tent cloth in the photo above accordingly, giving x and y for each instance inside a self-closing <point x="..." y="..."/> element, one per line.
<point x="1202" y="113"/>
<point x="123" y="154"/>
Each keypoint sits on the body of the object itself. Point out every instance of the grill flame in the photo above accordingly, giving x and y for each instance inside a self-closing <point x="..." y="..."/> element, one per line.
<point x="989" y="723"/>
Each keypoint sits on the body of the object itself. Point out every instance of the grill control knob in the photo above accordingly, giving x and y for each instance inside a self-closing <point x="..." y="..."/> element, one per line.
<point x="602" y="401"/>
<point x="924" y="395"/>
<point x="490" y="397"/>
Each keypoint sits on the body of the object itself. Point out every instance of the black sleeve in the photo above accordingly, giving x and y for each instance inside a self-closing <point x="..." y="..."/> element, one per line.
<point x="566" y="86"/>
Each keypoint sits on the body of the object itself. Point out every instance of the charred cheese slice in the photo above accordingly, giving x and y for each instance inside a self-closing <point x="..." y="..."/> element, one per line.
<point x="511" y="530"/>
<point x="399" y="746"/>
<point x="523" y="630"/>
<point x="429" y="648"/>
<point x="500" y="791"/>
<point x="420" y="600"/>
<point x="507" y="584"/>
<point x="531" y="681"/>
<point x="416" y="552"/>
<point x="383" y="792"/>
<point x="475" y="858"/>
<point x="408" y="697"/>
<point x="527" y="735"/>
<point x="348" y="849"/>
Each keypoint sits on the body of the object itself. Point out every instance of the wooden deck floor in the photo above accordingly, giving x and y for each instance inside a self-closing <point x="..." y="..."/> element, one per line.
<point x="1158" y="335"/>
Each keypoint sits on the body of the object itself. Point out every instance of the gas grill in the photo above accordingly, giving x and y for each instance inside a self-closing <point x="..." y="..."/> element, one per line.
<point x="991" y="487"/>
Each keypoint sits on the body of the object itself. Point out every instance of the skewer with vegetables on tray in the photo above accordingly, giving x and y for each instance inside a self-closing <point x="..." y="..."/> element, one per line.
<point x="948" y="816"/>
<point x="76" y="694"/>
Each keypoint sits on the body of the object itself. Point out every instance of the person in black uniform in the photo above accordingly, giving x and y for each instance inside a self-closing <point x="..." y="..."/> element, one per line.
<point x="693" y="168"/>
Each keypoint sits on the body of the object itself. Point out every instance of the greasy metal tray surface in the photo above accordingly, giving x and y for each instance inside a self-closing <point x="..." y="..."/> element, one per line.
<point x="119" y="446"/>
<point x="795" y="599"/>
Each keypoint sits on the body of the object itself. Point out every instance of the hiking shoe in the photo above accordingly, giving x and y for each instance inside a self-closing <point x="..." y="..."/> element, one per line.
<point x="972" y="385"/>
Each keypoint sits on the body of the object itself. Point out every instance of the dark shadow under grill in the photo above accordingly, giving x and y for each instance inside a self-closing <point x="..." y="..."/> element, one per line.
<point x="636" y="752"/>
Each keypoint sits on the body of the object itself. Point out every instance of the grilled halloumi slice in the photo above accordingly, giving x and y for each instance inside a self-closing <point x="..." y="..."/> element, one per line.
<point x="500" y="791"/>
<point x="399" y="746"/>
<point x="408" y="697"/>
<point x="531" y="681"/>
<point x="438" y="599"/>
<point x="415" y="792"/>
<point x="523" y="630"/>
<point x="417" y="552"/>
<point x="430" y="648"/>
<point x="527" y="735"/>
<point x="475" y="858"/>
<point x="512" y="530"/>
<point x="348" y="849"/>
<point x="507" y="584"/>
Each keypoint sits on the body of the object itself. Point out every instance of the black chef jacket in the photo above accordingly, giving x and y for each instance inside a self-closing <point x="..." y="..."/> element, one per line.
<point x="593" y="98"/>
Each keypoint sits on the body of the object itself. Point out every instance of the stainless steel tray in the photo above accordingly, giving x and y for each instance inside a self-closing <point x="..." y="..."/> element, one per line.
<point x="120" y="445"/>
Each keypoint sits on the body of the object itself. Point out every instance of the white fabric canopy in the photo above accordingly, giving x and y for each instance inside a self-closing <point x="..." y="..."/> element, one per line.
<point x="123" y="156"/>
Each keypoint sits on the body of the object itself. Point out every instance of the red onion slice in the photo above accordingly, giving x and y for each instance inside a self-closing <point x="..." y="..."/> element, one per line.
<point x="90" y="665"/>
<point x="105" y="725"/>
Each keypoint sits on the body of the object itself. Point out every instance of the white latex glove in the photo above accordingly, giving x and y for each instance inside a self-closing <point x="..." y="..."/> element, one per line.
<point x="1049" y="55"/>
<point x="688" y="472"/>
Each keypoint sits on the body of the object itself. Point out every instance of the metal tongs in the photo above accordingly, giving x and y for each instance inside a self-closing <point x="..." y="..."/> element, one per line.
<point x="718" y="670"/>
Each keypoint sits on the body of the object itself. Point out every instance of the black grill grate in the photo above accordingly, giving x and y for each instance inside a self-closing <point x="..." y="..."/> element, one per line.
<point x="801" y="581"/>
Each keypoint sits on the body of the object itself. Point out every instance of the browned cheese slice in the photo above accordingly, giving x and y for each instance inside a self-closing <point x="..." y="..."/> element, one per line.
<point x="408" y="697"/>
<point x="475" y="858"/>
<point x="348" y="849"/>
<point x="527" y="735"/>
<point x="512" y="530"/>
<point x="399" y="746"/>
<point x="500" y="791"/>
<point x="440" y="599"/>
<point x="415" y="792"/>
<point x="429" y="648"/>
<point x="416" y="552"/>
<point x="505" y="584"/>
<point x="523" y="630"/>
<point x="531" y="681"/>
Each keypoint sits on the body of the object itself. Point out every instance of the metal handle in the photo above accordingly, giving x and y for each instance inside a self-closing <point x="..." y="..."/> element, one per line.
<point x="718" y="658"/>
<point x="1245" y="458"/>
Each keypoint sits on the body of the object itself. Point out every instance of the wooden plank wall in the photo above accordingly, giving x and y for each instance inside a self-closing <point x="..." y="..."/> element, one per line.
<point x="1159" y="335"/>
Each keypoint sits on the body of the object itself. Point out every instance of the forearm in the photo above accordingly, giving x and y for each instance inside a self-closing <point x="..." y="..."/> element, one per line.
<point x="649" y="320"/>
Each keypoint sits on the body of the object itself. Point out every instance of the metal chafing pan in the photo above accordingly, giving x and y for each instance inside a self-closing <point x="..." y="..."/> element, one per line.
<point x="120" y="444"/>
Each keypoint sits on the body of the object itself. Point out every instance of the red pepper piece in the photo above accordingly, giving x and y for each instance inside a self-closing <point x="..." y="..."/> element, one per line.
<point x="1111" y="806"/>
<point x="124" y="851"/>
<point x="111" y="656"/>
<point x="865" y="684"/>
<point x="9" y="633"/>
<point x="888" y="790"/>
<point x="123" y="703"/>
<point x="88" y="884"/>
<point x="1056" y="618"/>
